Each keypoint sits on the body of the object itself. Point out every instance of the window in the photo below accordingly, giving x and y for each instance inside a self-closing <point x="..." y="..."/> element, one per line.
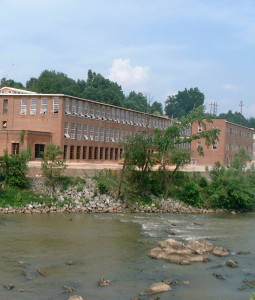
<point x="44" y="106"/>
<point x="135" y="119"/>
<point x="73" y="129"/>
<point x="4" y="124"/>
<point x="215" y="146"/>
<point x="23" y="109"/>
<point x="86" y="110"/>
<point x="116" y="153"/>
<point x="199" y="145"/>
<point x="91" y="132"/>
<point x="78" y="131"/>
<point x="122" y="116"/>
<point x="39" y="150"/>
<point x="15" y="148"/>
<point x="112" y="135"/>
<point x="102" y="134"/>
<point x="107" y="134"/>
<point x="118" y="115"/>
<point x="33" y="106"/>
<point x="127" y="117"/>
<point x="66" y="130"/>
<point x="55" y="105"/>
<point x="85" y="132"/>
<point x="65" y="151"/>
<point x="103" y="112"/>
<point x="108" y="114"/>
<point x="117" y="135"/>
<point x="131" y="118"/>
<point x="67" y="106"/>
<point x="113" y="114"/>
<point x="199" y="128"/>
<point x="80" y="108"/>
<point x="96" y="133"/>
<point x="78" y="152"/>
<point x="71" y="152"/>
<point x="74" y="112"/>
<point x="97" y="112"/>
<point x="92" y="111"/>
<point x="5" y="107"/>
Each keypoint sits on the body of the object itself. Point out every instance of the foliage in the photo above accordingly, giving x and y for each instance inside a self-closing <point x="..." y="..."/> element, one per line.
<point x="107" y="181"/>
<point x="53" y="164"/>
<point x="183" y="102"/>
<point x="240" y="159"/>
<point x="190" y="194"/>
<point x="231" y="189"/>
<point x="101" y="89"/>
<point x="14" y="169"/>
<point x="11" y="83"/>
<point x="67" y="181"/>
<point x="236" y="118"/>
<point x="19" y="198"/>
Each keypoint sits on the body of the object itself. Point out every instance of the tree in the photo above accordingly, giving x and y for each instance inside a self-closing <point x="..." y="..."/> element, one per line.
<point x="183" y="102"/>
<point x="103" y="90"/>
<point x="53" y="82"/>
<point x="14" y="169"/>
<point x="236" y="118"/>
<point x="53" y="164"/>
<point x="137" y="101"/>
<point x="240" y="159"/>
<point x="11" y="83"/>
<point x="156" y="108"/>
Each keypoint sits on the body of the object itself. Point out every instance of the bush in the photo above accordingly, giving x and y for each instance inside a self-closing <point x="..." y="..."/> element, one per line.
<point x="190" y="194"/>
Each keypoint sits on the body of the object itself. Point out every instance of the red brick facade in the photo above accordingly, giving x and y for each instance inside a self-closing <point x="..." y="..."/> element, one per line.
<point x="84" y="129"/>
<point x="232" y="137"/>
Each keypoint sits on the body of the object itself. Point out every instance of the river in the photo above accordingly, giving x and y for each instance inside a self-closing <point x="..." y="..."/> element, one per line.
<point x="115" y="246"/>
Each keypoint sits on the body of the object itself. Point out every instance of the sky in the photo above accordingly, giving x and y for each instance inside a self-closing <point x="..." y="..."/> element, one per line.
<point x="157" y="47"/>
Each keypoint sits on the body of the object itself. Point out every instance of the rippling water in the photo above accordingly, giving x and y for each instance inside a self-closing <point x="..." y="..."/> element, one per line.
<point x="115" y="246"/>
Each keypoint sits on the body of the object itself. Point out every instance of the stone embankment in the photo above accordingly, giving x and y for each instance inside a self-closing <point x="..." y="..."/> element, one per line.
<point x="85" y="198"/>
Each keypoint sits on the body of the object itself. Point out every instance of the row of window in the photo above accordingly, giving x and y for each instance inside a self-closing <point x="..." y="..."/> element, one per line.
<point x="241" y="133"/>
<point x="94" y="133"/>
<point x="215" y="146"/>
<point x="38" y="150"/>
<point x="235" y="147"/>
<point x="92" y="153"/>
<point x="105" y="113"/>
<point x="33" y="109"/>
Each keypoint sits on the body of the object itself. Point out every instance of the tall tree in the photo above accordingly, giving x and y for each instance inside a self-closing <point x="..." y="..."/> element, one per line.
<point x="101" y="89"/>
<point x="53" y="82"/>
<point x="11" y="83"/>
<point x="183" y="102"/>
<point x="137" y="101"/>
<point x="236" y="118"/>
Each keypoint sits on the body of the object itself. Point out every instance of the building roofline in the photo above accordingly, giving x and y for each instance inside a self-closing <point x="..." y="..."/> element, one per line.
<point x="237" y="124"/>
<point x="18" y="90"/>
<point x="88" y="100"/>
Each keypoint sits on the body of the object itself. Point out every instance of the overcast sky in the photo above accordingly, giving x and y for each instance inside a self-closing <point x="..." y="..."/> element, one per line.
<point x="157" y="47"/>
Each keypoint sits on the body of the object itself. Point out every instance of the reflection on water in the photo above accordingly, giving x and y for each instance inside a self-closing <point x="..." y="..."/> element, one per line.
<point x="115" y="247"/>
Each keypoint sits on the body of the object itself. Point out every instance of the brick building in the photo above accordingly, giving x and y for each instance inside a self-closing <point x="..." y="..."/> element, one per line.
<point x="84" y="129"/>
<point x="232" y="137"/>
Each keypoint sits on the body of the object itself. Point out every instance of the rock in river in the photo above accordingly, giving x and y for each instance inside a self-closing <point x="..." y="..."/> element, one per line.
<point x="156" y="288"/>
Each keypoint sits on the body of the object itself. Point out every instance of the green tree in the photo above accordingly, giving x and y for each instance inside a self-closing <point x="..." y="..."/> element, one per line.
<point x="240" y="159"/>
<point x="103" y="90"/>
<point x="156" y="108"/>
<point x="53" y="165"/>
<point x="11" y="83"/>
<point x="55" y="83"/>
<point x="183" y="102"/>
<point x="137" y="101"/>
<point x="236" y="118"/>
<point x="14" y="169"/>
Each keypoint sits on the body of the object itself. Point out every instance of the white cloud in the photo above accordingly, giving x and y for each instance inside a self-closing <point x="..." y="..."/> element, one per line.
<point x="128" y="76"/>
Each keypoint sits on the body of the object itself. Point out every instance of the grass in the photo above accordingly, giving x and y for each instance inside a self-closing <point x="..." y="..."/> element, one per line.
<point x="20" y="198"/>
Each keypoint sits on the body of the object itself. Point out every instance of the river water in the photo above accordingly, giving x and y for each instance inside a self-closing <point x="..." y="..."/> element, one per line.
<point x="115" y="246"/>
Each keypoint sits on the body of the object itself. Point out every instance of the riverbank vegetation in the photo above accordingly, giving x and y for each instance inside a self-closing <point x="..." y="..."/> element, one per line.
<point x="151" y="170"/>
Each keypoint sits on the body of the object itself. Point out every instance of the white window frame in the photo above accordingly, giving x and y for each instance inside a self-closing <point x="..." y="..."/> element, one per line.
<point x="91" y="132"/>
<point x="66" y="131"/>
<point x="80" y="109"/>
<point x="23" y="107"/>
<point x="74" y="107"/>
<point x="67" y="106"/>
<point x="78" y="131"/>
<point x="96" y="133"/>
<point x="102" y="134"/>
<point x="33" y="106"/>
<point x="73" y="131"/>
<point x="85" y="132"/>
<point x="55" y="104"/>
<point x="44" y="106"/>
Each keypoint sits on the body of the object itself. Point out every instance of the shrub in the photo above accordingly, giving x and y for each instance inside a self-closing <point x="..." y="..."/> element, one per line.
<point x="191" y="194"/>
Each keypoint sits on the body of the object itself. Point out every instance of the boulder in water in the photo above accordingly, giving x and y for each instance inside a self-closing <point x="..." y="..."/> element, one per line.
<point x="156" y="288"/>
<point x="220" y="251"/>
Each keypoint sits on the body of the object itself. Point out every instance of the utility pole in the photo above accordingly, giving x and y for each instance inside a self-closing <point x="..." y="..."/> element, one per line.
<point x="213" y="108"/>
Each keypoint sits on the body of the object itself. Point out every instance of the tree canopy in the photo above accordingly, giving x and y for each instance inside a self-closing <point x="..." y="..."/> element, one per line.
<point x="11" y="83"/>
<point x="183" y="102"/>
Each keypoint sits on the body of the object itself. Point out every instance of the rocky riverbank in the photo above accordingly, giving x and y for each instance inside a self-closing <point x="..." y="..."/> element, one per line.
<point x="85" y="198"/>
